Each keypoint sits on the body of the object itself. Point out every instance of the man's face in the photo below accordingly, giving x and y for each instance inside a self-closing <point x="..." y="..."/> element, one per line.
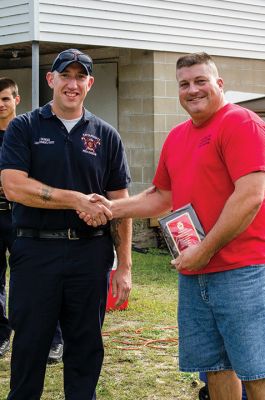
<point x="8" y="105"/>
<point x="70" y="88"/>
<point x="200" y="91"/>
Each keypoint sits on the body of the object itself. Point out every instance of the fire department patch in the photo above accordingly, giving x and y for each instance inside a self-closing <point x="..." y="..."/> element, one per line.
<point x="90" y="143"/>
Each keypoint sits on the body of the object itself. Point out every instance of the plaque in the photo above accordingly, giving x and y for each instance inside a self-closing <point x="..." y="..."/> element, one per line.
<point x="181" y="229"/>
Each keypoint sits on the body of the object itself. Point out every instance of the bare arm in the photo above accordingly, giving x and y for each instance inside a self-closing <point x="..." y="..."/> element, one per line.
<point x="20" y="188"/>
<point x="121" y="231"/>
<point x="150" y="203"/>
<point x="2" y="193"/>
<point x="238" y="212"/>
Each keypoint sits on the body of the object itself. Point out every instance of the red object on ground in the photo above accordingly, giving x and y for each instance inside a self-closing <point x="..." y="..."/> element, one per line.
<point x="112" y="300"/>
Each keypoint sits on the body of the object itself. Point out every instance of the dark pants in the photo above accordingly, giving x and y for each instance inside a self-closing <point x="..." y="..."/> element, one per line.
<point x="57" y="338"/>
<point x="53" y="280"/>
<point x="6" y="241"/>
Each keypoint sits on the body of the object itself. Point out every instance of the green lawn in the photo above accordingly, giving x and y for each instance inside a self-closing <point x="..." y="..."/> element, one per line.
<point x="141" y="351"/>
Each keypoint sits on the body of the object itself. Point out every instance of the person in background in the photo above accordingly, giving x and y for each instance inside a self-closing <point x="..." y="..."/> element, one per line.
<point x="56" y="351"/>
<point x="214" y="161"/>
<point x="9" y="99"/>
<point x="52" y="159"/>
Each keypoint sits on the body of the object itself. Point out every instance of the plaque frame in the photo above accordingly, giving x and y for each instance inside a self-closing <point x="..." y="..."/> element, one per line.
<point x="181" y="229"/>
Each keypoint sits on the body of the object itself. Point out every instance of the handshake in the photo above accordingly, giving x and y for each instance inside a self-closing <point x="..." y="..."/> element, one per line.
<point x="97" y="211"/>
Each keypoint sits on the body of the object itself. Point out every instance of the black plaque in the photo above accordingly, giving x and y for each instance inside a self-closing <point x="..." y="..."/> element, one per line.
<point x="181" y="229"/>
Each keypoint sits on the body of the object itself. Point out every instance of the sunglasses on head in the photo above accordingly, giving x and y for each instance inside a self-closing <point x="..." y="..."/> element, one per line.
<point x="71" y="56"/>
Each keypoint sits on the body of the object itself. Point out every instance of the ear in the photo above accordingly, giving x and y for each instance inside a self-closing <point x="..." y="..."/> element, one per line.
<point x="17" y="100"/>
<point x="50" y="79"/>
<point x="220" y="82"/>
<point x="90" y="83"/>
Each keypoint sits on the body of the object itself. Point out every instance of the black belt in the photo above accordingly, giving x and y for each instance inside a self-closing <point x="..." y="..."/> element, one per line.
<point x="71" y="234"/>
<point x="5" y="205"/>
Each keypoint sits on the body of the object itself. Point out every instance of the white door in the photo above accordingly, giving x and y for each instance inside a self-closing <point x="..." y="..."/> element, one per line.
<point x="102" y="99"/>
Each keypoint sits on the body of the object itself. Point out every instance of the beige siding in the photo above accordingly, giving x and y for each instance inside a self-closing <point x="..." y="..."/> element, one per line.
<point x="15" y="25"/>
<point x="221" y="27"/>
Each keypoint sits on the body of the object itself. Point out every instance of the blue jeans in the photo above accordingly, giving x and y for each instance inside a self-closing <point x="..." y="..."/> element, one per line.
<point x="222" y="322"/>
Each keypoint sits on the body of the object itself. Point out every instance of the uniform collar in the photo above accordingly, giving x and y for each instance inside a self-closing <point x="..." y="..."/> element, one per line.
<point x="46" y="112"/>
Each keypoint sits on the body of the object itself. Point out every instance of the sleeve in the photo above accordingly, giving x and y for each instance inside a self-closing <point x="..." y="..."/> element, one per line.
<point x="119" y="175"/>
<point x="243" y="147"/>
<point x="162" y="178"/>
<point x="15" y="152"/>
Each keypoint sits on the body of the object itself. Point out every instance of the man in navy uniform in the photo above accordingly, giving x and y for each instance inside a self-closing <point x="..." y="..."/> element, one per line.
<point x="52" y="160"/>
<point x="9" y="99"/>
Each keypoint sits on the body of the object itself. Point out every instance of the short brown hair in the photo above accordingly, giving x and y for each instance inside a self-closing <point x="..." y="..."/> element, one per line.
<point x="196" y="58"/>
<point x="6" y="83"/>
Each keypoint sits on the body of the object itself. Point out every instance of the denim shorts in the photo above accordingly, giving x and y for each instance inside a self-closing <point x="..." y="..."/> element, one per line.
<point x="221" y="319"/>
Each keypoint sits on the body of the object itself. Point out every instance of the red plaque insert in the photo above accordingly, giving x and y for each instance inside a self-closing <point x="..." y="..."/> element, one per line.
<point x="181" y="229"/>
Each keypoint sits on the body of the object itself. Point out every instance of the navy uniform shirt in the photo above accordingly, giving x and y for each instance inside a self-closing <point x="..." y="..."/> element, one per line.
<point x="2" y="133"/>
<point x="1" y="137"/>
<point x="89" y="159"/>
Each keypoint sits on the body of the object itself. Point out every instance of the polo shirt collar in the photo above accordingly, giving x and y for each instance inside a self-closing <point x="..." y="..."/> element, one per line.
<point x="46" y="112"/>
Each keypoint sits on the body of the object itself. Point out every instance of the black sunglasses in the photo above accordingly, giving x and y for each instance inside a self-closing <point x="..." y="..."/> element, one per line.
<point x="71" y="56"/>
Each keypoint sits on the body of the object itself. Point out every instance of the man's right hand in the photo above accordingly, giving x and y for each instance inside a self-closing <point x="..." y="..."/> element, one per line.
<point x="96" y="210"/>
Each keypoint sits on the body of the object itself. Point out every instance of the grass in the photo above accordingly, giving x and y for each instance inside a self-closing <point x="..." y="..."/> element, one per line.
<point x="141" y="351"/>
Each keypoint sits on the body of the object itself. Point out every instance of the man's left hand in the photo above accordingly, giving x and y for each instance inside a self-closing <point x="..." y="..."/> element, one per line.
<point x="121" y="285"/>
<point x="191" y="259"/>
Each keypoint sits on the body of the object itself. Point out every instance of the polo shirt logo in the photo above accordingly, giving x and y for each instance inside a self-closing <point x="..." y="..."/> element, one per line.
<point x="90" y="143"/>
<point x="205" y="140"/>
<point x="44" y="140"/>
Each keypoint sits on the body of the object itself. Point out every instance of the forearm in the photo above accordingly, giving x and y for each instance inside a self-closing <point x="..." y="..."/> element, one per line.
<point x="33" y="193"/>
<point x="121" y="232"/>
<point x="149" y="203"/>
<point x="22" y="189"/>
<point x="234" y="219"/>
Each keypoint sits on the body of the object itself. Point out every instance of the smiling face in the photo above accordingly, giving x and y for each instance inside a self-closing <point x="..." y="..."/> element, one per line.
<point x="8" y="103"/>
<point x="200" y="91"/>
<point x="70" y="88"/>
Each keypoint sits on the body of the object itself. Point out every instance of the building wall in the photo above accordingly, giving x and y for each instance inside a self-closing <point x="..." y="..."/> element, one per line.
<point x="17" y="19"/>
<point x="233" y="28"/>
<point x="136" y="111"/>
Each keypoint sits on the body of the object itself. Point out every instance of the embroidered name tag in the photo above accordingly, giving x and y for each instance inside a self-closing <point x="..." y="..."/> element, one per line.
<point x="44" y="140"/>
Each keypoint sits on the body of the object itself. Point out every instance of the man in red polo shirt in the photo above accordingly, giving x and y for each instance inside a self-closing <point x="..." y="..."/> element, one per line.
<point x="215" y="161"/>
